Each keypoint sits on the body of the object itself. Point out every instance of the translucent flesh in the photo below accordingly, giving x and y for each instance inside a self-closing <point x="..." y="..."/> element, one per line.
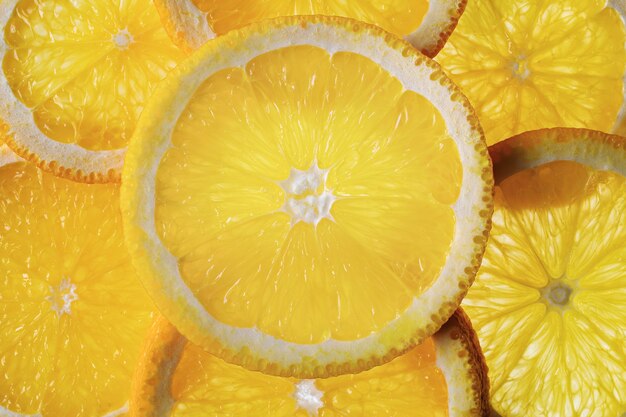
<point x="392" y="166"/>
<point x="62" y="62"/>
<point x="561" y="222"/>
<point x="401" y="17"/>
<point x="528" y="64"/>
<point x="410" y="385"/>
<point x="77" y="363"/>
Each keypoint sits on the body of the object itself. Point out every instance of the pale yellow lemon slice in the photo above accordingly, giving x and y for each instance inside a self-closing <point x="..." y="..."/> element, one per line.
<point x="307" y="196"/>
<point x="75" y="77"/>
<point x="549" y="301"/>
<point x="443" y="376"/>
<point x="427" y="24"/>
<point x="72" y="310"/>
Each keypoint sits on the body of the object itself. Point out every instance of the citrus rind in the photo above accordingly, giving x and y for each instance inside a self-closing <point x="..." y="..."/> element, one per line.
<point x="249" y="346"/>
<point x="457" y="350"/>
<point x="188" y="26"/>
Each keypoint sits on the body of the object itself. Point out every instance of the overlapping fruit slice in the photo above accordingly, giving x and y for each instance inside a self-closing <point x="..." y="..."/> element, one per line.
<point x="527" y="64"/>
<point x="72" y="310"/>
<point x="75" y="77"/>
<point x="444" y="376"/>
<point x="427" y="24"/>
<point x="309" y="219"/>
<point x="549" y="301"/>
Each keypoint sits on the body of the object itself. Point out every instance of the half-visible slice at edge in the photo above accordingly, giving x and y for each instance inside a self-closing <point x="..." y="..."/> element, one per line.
<point x="445" y="376"/>
<point x="74" y="79"/>
<point x="426" y="24"/>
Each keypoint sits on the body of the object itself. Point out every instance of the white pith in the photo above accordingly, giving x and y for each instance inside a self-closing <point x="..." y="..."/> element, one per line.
<point x="140" y="203"/>
<point x="306" y="197"/>
<point x="308" y="397"/>
<point x="62" y="296"/>
<point x="437" y="19"/>
<point x="122" y="39"/>
<point x="26" y="134"/>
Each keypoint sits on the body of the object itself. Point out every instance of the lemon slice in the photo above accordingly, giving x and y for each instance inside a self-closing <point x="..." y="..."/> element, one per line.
<point x="75" y="76"/>
<point x="444" y="376"/>
<point x="427" y="24"/>
<point x="549" y="301"/>
<point x="72" y="310"/>
<point x="536" y="64"/>
<point x="309" y="219"/>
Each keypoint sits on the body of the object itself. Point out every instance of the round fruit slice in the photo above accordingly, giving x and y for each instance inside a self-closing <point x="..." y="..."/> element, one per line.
<point x="535" y="64"/>
<point x="309" y="219"/>
<point x="75" y="76"/>
<point x="549" y="301"/>
<point x="427" y="24"/>
<point x="72" y="311"/>
<point x="444" y="376"/>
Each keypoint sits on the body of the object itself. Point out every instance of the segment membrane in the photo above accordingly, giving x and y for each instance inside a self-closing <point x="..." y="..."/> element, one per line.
<point x="388" y="161"/>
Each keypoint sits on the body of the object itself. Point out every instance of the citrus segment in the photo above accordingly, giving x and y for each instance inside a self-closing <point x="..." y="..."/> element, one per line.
<point x="548" y="299"/>
<point x="443" y="376"/>
<point x="75" y="78"/>
<point x="302" y="228"/>
<point x="372" y="173"/>
<point x="425" y="23"/>
<point x="72" y="310"/>
<point x="528" y="65"/>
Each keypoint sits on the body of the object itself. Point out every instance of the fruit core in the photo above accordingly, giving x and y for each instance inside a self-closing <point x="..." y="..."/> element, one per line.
<point x="557" y="294"/>
<point x="122" y="39"/>
<point x="307" y="198"/>
<point x="308" y="396"/>
<point x="62" y="296"/>
<point x="521" y="70"/>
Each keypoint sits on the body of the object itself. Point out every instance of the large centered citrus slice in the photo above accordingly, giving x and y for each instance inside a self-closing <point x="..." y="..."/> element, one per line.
<point x="307" y="219"/>
<point x="427" y="24"/>
<point x="75" y="76"/>
<point x="444" y="376"/>
<point x="535" y="64"/>
<point x="549" y="301"/>
<point x="72" y="310"/>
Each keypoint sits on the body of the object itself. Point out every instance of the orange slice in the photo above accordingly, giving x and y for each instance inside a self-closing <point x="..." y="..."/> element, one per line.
<point x="75" y="76"/>
<point x="427" y="24"/>
<point x="307" y="220"/>
<point x="536" y="64"/>
<point x="72" y="310"/>
<point x="444" y="376"/>
<point x="549" y="301"/>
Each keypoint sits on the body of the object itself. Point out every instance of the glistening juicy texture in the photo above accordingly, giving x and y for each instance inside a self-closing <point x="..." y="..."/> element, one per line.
<point x="548" y="301"/>
<point x="444" y="376"/>
<point x="84" y="69"/>
<point x="293" y="218"/>
<point x="528" y="64"/>
<point x="389" y="165"/>
<point x="72" y="310"/>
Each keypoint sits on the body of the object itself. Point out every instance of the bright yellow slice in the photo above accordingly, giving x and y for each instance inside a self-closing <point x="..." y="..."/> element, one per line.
<point x="549" y="301"/>
<point x="72" y="310"/>
<point x="528" y="64"/>
<point x="444" y="376"/>
<point x="427" y="24"/>
<point x="75" y="77"/>
<point x="307" y="219"/>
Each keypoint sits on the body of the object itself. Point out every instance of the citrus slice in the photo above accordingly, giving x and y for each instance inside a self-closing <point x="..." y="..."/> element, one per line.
<point x="72" y="311"/>
<point x="312" y="219"/>
<point x="549" y="301"/>
<point x="427" y="24"/>
<point x="443" y="376"/>
<point x="536" y="64"/>
<point x="75" y="76"/>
